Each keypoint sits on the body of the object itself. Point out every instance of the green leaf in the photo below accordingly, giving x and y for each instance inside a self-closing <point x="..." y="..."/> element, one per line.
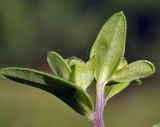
<point x="109" y="46"/>
<point x="133" y="71"/>
<point x="157" y="125"/>
<point x="84" y="73"/>
<point x="111" y="90"/>
<point x="123" y="64"/>
<point x="72" y="61"/>
<point x="58" y="65"/>
<point x="72" y="95"/>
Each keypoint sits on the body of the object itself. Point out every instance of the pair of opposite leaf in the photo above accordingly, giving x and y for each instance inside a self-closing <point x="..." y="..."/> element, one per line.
<point x="72" y="76"/>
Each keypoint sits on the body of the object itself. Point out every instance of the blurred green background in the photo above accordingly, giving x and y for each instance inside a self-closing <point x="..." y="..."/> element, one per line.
<point x="30" y="28"/>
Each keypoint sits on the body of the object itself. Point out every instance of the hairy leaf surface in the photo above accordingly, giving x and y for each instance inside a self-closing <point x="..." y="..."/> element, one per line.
<point x="111" y="90"/>
<point x="58" y="65"/>
<point x="72" y="95"/>
<point x="109" y="46"/>
<point x="84" y="73"/>
<point x="133" y="71"/>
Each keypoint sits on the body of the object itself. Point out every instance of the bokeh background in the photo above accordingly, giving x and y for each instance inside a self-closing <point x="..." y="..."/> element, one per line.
<point x="30" y="28"/>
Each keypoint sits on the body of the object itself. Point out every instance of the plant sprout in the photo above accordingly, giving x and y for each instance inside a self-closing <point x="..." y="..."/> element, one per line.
<point x="71" y="77"/>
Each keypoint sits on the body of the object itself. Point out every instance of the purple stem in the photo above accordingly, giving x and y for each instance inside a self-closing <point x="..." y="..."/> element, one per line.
<point x="100" y="104"/>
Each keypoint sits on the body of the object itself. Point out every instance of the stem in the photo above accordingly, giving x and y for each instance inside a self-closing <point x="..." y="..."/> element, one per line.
<point x="100" y="104"/>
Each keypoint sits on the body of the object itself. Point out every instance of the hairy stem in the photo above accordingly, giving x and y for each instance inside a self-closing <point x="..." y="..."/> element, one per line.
<point x="100" y="104"/>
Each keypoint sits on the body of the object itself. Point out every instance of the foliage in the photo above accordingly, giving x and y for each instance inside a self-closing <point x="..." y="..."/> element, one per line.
<point x="71" y="77"/>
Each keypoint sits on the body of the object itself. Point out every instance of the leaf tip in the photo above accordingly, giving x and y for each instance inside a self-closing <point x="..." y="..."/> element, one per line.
<point x="121" y="12"/>
<point x="121" y="16"/>
<point x="51" y="52"/>
<point x="153" y="70"/>
<point x="3" y="71"/>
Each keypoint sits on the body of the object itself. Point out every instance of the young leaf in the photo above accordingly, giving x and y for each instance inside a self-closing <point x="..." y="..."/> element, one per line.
<point x="69" y="93"/>
<point x="58" y="65"/>
<point x="84" y="73"/>
<point x="111" y="90"/>
<point x="72" y="61"/>
<point x="133" y="71"/>
<point x="109" y="46"/>
<point x="124" y="63"/>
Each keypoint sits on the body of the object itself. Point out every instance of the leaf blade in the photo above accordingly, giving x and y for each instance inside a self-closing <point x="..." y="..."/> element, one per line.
<point x="134" y="71"/>
<point x="84" y="73"/>
<point x="73" y="96"/>
<point x="58" y="65"/>
<point x="109" y="46"/>
<point x="112" y="90"/>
